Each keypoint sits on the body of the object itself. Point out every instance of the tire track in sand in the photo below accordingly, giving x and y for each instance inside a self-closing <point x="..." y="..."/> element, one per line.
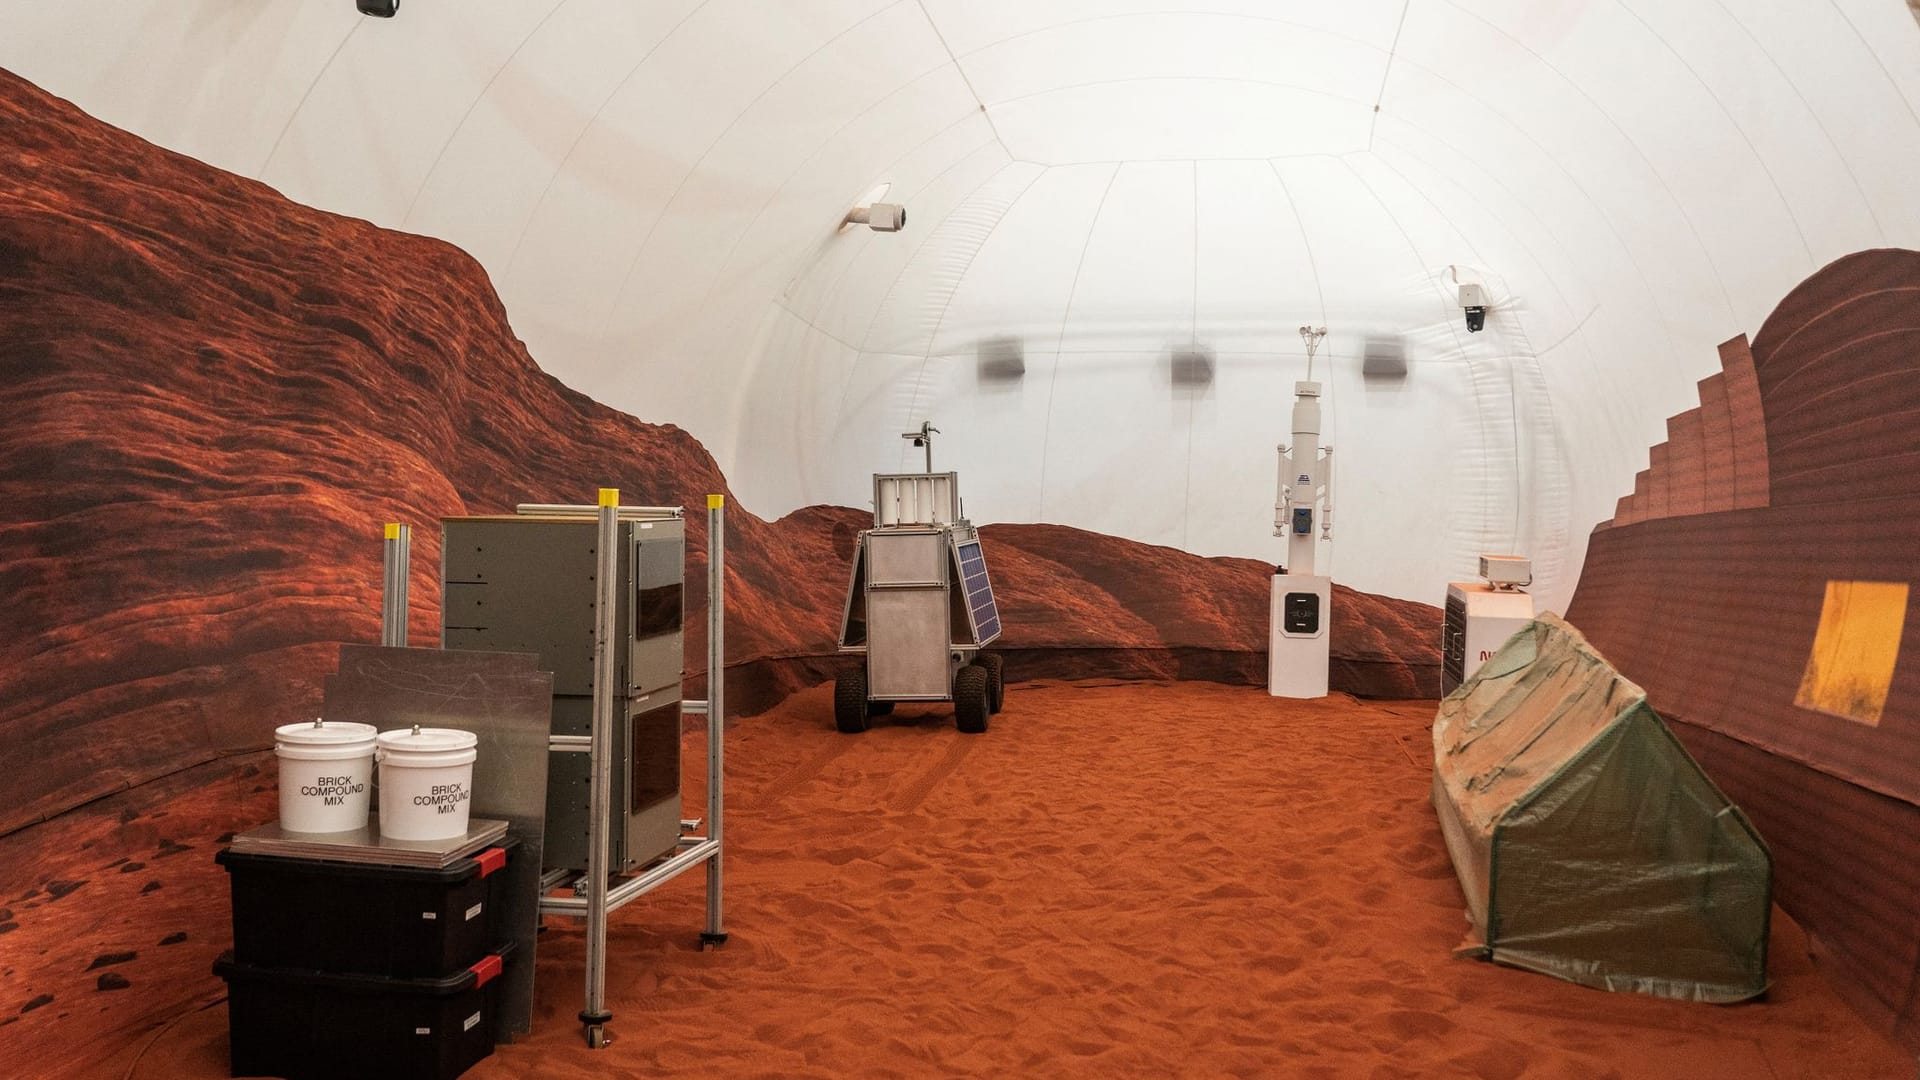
<point x="909" y="798"/>
<point x="807" y="769"/>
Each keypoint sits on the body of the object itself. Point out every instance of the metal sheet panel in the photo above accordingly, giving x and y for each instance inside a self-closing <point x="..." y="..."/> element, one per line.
<point x="906" y="558"/>
<point x="916" y="498"/>
<point x="568" y="776"/>
<point x="853" y="617"/>
<point x="656" y="652"/>
<point x="907" y="656"/>
<point x="506" y="701"/>
<point x="522" y="585"/>
<point x="653" y="787"/>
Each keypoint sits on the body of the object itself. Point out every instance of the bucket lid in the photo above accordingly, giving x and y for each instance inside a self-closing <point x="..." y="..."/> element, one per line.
<point x="433" y="740"/>
<point x="321" y="733"/>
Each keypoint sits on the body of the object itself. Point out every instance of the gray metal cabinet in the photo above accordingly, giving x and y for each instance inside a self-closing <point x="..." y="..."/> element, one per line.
<point x="520" y="584"/>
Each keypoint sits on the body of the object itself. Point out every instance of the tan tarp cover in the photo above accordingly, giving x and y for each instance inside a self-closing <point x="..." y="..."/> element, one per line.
<point x="1589" y="844"/>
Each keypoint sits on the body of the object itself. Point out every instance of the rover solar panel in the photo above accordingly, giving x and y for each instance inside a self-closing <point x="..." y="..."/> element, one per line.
<point x="979" y="590"/>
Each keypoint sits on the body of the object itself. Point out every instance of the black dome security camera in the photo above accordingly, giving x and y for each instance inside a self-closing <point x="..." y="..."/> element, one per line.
<point x="379" y="9"/>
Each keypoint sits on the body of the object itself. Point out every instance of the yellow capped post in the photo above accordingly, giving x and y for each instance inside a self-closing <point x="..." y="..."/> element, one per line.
<point x="396" y="553"/>
<point x="609" y="496"/>
<point x="715" y="502"/>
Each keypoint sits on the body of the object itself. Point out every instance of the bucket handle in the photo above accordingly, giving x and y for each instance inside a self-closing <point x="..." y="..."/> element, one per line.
<point x="380" y="752"/>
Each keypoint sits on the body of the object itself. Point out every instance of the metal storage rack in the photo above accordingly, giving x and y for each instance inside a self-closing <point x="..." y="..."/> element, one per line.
<point x="593" y="895"/>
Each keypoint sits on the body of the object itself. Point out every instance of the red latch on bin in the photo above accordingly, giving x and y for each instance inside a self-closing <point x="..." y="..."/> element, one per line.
<point x="491" y="859"/>
<point x="485" y="971"/>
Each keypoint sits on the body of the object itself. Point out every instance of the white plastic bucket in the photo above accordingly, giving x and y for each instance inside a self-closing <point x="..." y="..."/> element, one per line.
<point x="426" y="782"/>
<point x="326" y="775"/>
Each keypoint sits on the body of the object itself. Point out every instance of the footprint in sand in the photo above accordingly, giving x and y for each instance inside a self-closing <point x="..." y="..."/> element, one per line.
<point x="1506" y="1061"/>
<point x="1277" y="965"/>
<point x="1412" y="1024"/>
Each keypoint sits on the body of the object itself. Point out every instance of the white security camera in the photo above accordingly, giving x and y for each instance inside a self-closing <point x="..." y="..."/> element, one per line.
<point x="1473" y="299"/>
<point x="880" y="217"/>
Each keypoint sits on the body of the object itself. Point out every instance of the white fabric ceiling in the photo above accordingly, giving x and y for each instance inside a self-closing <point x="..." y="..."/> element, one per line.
<point x="1097" y="184"/>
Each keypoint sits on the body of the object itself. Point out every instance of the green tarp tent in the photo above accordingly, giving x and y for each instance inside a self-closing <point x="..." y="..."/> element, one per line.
<point x="1589" y="843"/>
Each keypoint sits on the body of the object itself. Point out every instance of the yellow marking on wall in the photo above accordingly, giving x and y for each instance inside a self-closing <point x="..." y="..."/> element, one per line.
<point x="1855" y="649"/>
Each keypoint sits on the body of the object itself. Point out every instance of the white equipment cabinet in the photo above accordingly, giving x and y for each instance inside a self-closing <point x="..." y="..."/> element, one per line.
<point x="1482" y="615"/>
<point x="1300" y="654"/>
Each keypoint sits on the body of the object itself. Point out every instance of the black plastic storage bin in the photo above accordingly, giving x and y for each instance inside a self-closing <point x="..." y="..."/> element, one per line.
<point x="309" y="1025"/>
<point x="357" y="918"/>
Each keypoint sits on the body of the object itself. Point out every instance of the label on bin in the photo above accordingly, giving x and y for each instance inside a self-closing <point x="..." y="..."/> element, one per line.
<point x="471" y="1021"/>
<point x="423" y="1031"/>
<point x="474" y="912"/>
<point x="333" y="790"/>
<point x="429" y="914"/>
<point x="444" y="798"/>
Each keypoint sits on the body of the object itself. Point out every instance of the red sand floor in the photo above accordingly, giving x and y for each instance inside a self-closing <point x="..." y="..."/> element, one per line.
<point x="1117" y="880"/>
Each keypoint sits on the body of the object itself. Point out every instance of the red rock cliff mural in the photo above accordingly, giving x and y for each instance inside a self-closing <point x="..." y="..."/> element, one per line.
<point x="214" y="397"/>
<point x="1756" y="583"/>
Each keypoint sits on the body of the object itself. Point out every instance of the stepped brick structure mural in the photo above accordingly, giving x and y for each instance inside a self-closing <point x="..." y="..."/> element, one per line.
<point x="1715" y="456"/>
<point x="1756" y="584"/>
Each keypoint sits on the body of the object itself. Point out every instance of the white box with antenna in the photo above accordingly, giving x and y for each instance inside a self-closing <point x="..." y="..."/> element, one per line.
<point x="1507" y="571"/>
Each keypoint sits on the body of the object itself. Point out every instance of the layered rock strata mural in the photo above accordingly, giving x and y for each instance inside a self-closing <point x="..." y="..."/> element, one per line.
<point x="213" y="400"/>
<point x="215" y="397"/>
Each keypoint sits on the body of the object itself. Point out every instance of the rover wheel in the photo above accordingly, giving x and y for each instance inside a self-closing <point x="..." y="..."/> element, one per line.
<point x="971" y="706"/>
<point x="996" y="666"/>
<point x="850" y="701"/>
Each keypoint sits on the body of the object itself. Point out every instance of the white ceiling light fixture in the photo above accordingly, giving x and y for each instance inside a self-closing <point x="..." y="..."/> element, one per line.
<point x="874" y="214"/>
<point x="880" y="217"/>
